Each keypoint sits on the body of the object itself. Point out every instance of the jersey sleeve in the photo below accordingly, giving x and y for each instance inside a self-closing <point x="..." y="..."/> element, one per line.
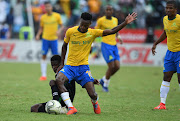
<point x="59" y="20"/>
<point x="41" y="21"/>
<point x="98" y="32"/>
<point x="67" y="36"/>
<point x="98" y="24"/>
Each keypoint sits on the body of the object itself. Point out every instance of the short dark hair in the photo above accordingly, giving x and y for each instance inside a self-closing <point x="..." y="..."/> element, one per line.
<point x="46" y="2"/>
<point x="86" y="16"/>
<point x="56" y="58"/>
<point x="172" y="2"/>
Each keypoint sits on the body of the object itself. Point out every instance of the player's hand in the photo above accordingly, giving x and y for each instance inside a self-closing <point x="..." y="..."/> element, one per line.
<point x="37" y="37"/>
<point x="96" y="82"/>
<point x="119" y="39"/>
<point x="153" y="49"/>
<point x="59" y="68"/>
<point x="131" y="17"/>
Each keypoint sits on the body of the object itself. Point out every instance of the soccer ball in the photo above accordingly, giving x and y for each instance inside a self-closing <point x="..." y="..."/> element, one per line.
<point x="53" y="107"/>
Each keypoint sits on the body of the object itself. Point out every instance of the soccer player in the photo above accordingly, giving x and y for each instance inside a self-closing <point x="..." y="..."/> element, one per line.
<point x="49" y="27"/>
<point x="108" y="46"/>
<point x="55" y="63"/>
<point x="172" y="59"/>
<point x="80" y="39"/>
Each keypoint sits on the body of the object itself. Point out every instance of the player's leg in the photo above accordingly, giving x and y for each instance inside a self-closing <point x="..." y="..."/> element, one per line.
<point x="65" y="74"/>
<point x="169" y="70"/>
<point x="178" y="75"/>
<point x="45" y="47"/>
<point x="93" y="95"/>
<point x="54" y="90"/>
<point x="38" y="107"/>
<point x="86" y="80"/>
<point x="54" y="47"/>
<point x="164" y="89"/>
<point x="109" y="54"/>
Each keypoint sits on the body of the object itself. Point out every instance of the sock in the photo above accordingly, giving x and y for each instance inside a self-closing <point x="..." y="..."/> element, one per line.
<point x="106" y="81"/>
<point x="94" y="101"/>
<point x="55" y="94"/>
<point x="43" y="67"/>
<point x="66" y="99"/>
<point x="164" y="91"/>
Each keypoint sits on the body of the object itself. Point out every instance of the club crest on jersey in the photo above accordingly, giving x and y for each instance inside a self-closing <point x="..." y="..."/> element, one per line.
<point x="174" y="25"/>
<point x="88" y="35"/>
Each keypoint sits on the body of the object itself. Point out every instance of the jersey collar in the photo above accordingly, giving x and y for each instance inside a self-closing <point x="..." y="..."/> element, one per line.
<point x="80" y="31"/>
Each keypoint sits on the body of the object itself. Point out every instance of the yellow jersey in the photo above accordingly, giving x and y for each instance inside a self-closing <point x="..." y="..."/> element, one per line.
<point x="172" y="29"/>
<point x="103" y="23"/>
<point x="80" y="45"/>
<point x="50" y="25"/>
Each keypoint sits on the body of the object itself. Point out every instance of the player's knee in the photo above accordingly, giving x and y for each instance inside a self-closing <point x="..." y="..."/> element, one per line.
<point x="167" y="78"/>
<point x="117" y="68"/>
<point x="34" y="109"/>
<point x="52" y="83"/>
<point x="93" y="95"/>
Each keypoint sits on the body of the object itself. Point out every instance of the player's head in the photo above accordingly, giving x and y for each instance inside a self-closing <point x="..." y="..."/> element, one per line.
<point x="171" y="8"/>
<point x="55" y="62"/>
<point x="109" y="11"/>
<point x="86" y="19"/>
<point x="48" y="7"/>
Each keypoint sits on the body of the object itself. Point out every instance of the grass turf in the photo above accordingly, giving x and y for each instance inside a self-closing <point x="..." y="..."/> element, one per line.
<point x="134" y="92"/>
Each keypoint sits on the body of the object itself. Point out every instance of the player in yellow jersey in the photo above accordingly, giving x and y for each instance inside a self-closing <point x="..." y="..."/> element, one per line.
<point x="49" y="27"/>
<point x="108" y="46"/>
<point x="80" y="39"/>
<point x="172" y="59"/>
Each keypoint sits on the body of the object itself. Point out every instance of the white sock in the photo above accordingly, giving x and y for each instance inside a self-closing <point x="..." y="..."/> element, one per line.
<point x="164" y="91"/>
<point x="94" y="101"/>
<point x="43" y="67"/>
<point x="106" y="81"/>
<point x="66" y="99"/>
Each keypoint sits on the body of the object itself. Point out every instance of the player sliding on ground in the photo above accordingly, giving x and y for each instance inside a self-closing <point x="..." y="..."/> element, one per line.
<point x="108" y="46"/>
<point x="172" y="59"/>
<point x="55" y="63"/>
<point x="80" y="39"/>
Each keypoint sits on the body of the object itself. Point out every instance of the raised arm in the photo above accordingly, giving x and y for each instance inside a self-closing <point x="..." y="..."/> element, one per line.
<point x="161" y="38"/>
<point x="130" y="18"/>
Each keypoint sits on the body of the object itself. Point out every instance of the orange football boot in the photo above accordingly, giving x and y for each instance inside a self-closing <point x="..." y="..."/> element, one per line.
<point x="96" y="107"/>
<point x="71" y="110"/>
<point x="160" y="106"/>
<point x="43" y="78"/>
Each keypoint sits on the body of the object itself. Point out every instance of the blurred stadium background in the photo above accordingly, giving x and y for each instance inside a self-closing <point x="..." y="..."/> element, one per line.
<point x="134" y="91"/>
<point x="19" y="22"/>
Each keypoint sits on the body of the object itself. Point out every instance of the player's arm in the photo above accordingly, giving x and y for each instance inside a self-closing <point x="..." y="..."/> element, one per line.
<point x="40" y="29"/>
<point x="39" y="33"/>
<point x="130" y="18"/>
<point x="60" y="24"/>
<point x="64" y="49"/>
<point x="161" y="38"/>
<point x="63" y="53"/>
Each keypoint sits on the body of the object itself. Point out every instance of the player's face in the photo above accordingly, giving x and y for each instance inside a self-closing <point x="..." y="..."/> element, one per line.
<point x="48" y="8"/>
<point x="55" y="65"/>
<point x="170" y="10"/>
<point x="109" y="11"/>
<point x="84" y="25"/>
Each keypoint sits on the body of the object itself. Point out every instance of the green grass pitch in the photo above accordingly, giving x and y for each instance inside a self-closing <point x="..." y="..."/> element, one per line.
<point x="134" y="92"/>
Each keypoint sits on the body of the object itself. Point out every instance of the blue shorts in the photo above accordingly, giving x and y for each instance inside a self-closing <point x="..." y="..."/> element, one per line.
<point x="46" y="44"/>
<point x="81" y="74"/>
<point x="172" y="61"/>
<point x="110" y="52"/>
